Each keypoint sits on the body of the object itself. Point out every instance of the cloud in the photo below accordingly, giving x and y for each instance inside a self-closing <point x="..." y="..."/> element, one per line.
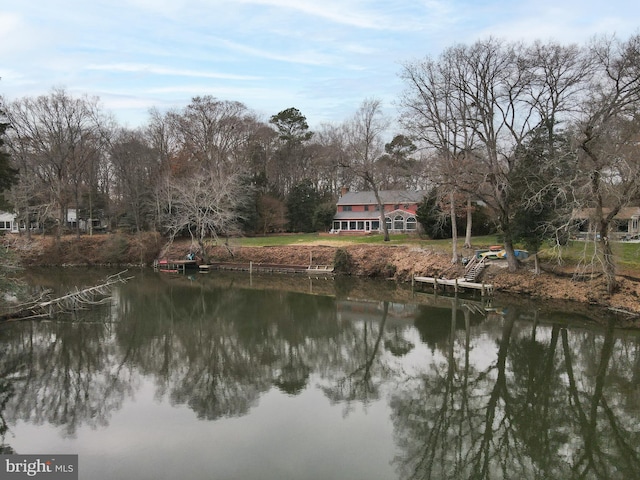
<point x="306" y="57"/>
<point x="159" y="70"/>
<point x="390" y="15"/>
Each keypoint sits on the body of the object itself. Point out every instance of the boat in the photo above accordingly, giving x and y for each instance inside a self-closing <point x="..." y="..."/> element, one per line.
<point x="501" y="254"/>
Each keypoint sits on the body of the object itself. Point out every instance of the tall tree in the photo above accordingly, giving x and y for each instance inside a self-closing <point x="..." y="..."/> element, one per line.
<point x="302" y="202"/>
<point x="209" y="132"/>
<point x="399" y="171"/>
<point x="481" y="102"/>
<point x="8" y="174"/>
<point x="56" y="134"/>
<point x="136" y="172"/>
<point x="437" y="114"/>
<point x="364" y="140"/>
<point x="204" y="205"/>
<point x="607" y="134"/>
<point x="542" y="183"/>
<point x="291" y="158"/>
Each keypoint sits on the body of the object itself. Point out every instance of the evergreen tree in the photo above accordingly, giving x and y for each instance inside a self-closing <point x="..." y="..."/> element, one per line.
<point x="8" y="175"/>
<point x="435" y="223"/>
<point x="535" y="188"/>
<point x="302" y="202"/>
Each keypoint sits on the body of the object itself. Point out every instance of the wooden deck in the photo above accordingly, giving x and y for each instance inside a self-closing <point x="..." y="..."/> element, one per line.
<point x="456" y="283"/>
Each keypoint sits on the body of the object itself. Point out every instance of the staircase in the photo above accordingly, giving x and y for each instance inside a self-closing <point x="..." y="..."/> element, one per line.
<point x="474" y="268"/>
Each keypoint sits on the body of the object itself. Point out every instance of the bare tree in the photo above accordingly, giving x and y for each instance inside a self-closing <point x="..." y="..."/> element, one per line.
<point x="209" y="132"/>
<point x="477" y="105"/>
<point x="56" y="134"/>
<point x="365" y="145"/>
<point x="204" y="205"/>
<point x="436" y="112"/>
<point x="136" y="171"/>
<point x="330" y="159"/>
<point x="607" y="135"/>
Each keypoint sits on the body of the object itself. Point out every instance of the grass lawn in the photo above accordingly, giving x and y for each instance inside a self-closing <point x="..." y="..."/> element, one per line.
<point x="627" y="254"/>
<point x="399" y="239"/>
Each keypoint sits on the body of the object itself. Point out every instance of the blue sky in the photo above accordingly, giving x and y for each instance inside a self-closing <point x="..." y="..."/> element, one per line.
<point x="323" y="57"/>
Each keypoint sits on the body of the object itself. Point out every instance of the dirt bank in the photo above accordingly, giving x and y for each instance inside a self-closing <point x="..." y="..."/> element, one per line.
<point x="395" y="262"/>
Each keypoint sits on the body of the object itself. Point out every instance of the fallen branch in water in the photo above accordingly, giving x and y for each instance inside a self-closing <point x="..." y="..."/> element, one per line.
<point x="73" y="301"/>
<point x="624" y="312"/>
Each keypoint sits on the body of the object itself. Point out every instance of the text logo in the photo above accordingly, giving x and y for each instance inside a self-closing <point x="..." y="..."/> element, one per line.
<point x="49" y="467"/>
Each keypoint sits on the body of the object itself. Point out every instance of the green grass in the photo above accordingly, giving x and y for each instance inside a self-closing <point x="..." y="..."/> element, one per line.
<point x="399" y="239"/>
<point x="627" y="254"/>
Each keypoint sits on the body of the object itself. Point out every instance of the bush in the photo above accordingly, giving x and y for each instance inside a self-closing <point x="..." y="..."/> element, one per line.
<point x="342" y="262"/>
<point x="115" y="249"/>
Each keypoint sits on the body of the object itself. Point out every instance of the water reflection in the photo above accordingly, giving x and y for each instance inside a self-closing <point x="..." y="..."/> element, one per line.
<point x="551" y="403"/>
<point x="470" y="395"/>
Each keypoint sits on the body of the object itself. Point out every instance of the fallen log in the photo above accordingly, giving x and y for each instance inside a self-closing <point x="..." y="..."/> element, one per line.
<point x="79" y="299"/>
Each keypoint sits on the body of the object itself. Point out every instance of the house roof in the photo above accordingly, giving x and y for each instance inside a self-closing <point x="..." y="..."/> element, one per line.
<point x="370" y="215"/>
<point x="387" y="196"/>
<point x="357" y="216"/>
<point x="624" y="214"/>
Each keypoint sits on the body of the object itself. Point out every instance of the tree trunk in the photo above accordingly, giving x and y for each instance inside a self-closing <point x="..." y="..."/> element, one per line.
<point x="512" y="261"/>
<point x="383" y="223"/>
<point x="467" y="238"/>
<point x="609" y="265"/>
<point x="536" y="264"/>
<point x="454" y="228"/>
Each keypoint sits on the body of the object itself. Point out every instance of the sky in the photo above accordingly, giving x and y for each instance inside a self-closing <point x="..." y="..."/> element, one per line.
<point x="323" y="57"/>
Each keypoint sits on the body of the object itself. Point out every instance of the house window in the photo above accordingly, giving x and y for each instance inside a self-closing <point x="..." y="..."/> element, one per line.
<point x="411" y="223"/>
<point x="366" y="208"/>
<point x="387" y="220"/>
<point x="634" y="224"/>
<point x="360" y="225"/>
<point x="352" y="225"/>
<point x="345" y="226"/>
<point x="406" y="206"/>
<point x="2" y="226"/>
<point x="375" y="225"/>
<point x="336" y="225"/>
<point x="347" y="208"/>
<point x="376" y="208"/>
<point x="398" y="223"/>
<point x="396" y="206"/>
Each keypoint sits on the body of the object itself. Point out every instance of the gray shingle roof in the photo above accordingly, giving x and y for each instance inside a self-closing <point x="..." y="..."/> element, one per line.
<point x="387" y="196"/>
<point x="357" y="216"/>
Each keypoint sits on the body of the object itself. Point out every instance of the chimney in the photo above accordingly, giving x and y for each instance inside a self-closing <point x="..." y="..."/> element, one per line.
<point x="343" y="191"/>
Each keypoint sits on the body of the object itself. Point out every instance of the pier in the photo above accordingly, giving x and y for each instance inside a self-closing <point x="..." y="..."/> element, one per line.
<point x="314" y="270"/>
<point x="456" y="283"/>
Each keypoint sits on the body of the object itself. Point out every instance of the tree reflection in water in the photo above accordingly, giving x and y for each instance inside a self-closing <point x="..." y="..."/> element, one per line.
<point x="531" y="414"/>
<point x="501" y="397"/>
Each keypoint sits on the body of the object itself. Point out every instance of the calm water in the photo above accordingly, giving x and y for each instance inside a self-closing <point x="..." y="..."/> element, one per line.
<point x="237" y="377"/>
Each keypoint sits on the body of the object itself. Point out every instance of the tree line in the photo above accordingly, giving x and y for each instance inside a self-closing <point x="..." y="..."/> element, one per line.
<point x="534" y="132"/>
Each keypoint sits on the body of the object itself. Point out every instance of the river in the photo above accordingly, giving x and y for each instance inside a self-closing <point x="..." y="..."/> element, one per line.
<point x="232" y="376"/>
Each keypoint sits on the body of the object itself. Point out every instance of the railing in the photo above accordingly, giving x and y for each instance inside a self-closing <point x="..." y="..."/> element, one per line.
<point x="474" y="268"/>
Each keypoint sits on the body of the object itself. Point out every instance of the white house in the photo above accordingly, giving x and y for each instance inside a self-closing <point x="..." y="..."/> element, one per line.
<point x="95" y="223"/>
<point x="8" y="222"/>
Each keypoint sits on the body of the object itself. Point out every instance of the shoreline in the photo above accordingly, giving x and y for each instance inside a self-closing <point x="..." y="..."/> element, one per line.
<point x="393" y="262"/>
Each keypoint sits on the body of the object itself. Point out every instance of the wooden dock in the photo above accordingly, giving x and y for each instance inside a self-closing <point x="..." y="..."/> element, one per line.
<point x="251" y="267"/>
<point x="175" y="266"/>
<point x="456" y="283"/>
